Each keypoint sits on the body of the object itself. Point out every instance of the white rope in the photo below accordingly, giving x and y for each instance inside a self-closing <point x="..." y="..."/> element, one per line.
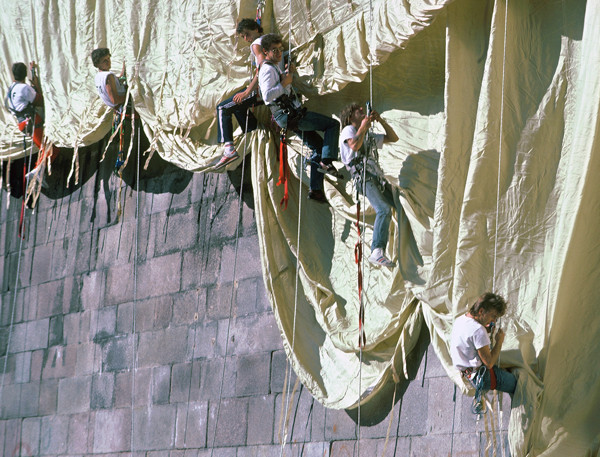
<point x="135" y="271"/>
<point x="499" y="405"/>
<point x="233" y="288"/>
<point x="18" y="272"/>
<point x="297" y="279"/>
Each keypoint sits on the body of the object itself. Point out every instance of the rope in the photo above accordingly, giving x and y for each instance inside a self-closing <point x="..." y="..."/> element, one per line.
<point x="14" y="305"/>
<point x="297" y="279"/>
<point x="233" y="289"/>
<point x="135" y="272"/>
<point x="453" y="421"/>
<point x="499" y="405"/>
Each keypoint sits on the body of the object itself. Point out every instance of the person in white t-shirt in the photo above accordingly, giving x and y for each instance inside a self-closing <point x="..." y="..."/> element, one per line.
<point x="355" y="127"/>
<point x="471" y="349"/>
<point x="110" y="88"/>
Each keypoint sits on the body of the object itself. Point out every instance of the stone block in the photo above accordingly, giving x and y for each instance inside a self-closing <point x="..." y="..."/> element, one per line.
<point x="253" y="374"/>
<point x="112" y="430"/>
<point x="54" y="435"/>
<point x="191" y="426"/>
<point x="30" y="437"/>
<point x="119" y="285"/>
<point x="48" y="397"/>
<point x="55" y="330"/>
<point x="125" y="318"/>
<point x="154" y="427"/>
<point x="246" y="297"/>
<point x="71" y="328"/>
<point x="163" y="347"/>
<point x="214" y="382"/>
<point x="200" y="268"/>
<point x="247" y="264"/>
<point x="161" y="384"/>
<point x="103" y="385"/>
<point x="173" y="232"/>
<point x="339" y="425"/>
<point x="87" y="249"/>
<point x="89" y="359"/>
<point x="12" y="436"/>
<point x="115" y="244"/>
<point x="440" y="406"/>
<point x="116" y="353"/>
<point x="37" y="334"/>
<point x="220" y="301"/>
<point x="232" y="424"/>
<point x="79" y="436"/>
<point x="255" y="333"/>
<point x="30" y="397"/>
<point x="261" y="419"/>
<point x="61" y="261"/>
<point x="49" y="299"/>
<point x="18" y="338"/>
<point x="41" y="265"/>
<point x="37" y="360"/>
<point x="430" y="445"/>
<point x="279" y="367"/>
<point x="160" y="276"/>
<point x="189" y="307"/>
<point x="205" y="339"/>
<point x="92" y="289"/>
<point x="413" y="413"/>
<point x="22" y="367"/>
<point x="106" y="322"/>
<point x="10" y="407"/>
<point x="74" y="395"/>
<point x="181" y="377"/>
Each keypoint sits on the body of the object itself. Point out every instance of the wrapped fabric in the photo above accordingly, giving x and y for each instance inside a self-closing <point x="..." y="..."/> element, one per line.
<point x="496" y="107"/>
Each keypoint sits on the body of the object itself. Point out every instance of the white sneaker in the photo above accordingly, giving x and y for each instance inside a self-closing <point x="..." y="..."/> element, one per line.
<point x="378" y="258"/>
<point x="229" y="155"/>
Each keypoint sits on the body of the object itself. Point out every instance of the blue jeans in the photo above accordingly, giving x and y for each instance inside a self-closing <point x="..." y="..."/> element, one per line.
<point x="505" y="381"/>
<point x="325" y="148"/>
<point x="382" y="202"/>
<point x="227" y="108"/>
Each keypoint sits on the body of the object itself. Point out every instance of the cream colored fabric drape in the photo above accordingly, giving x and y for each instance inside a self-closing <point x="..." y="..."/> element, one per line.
<point x="496" y="106"/>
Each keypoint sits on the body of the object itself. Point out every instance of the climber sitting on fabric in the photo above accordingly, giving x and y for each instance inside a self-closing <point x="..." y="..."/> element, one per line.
<point x="22" y="100"/>
<point x="110" y="88"/>
<point x="353" y="149"/>
<point x="239" y="104"/>
<point x="277" y="92"/>
<point x="470" y="345"/>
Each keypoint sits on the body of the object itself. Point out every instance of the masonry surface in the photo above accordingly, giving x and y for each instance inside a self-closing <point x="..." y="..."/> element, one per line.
<point x="105" y="272"/>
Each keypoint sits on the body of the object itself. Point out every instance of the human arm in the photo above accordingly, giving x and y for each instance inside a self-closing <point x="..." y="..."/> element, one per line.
<point x="35" y="83"/>
<point x="390" y="135"/>
<point x="241" y="96"/>
<point x="111" y="90"/>
<point x="490" y="357"/>
<point x="357" y="141"/>
<point x="270" y="85"/>
<point x="123" y="70"/>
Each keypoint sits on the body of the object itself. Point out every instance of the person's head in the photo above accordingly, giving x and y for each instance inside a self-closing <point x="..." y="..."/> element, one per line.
<point x="249" y="30"/>
<point x="272" y="46"/>
<point x="488" y="308"/>
<point x="351" y="114"/>
<point x="101" y="59"/>
<point x="19" y="71"/>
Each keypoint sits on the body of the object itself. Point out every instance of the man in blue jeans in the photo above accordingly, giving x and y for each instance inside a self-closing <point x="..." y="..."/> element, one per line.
<point x="356" y="156"/>
<point x="471" y="351"/>
<point x="277" y="93"/>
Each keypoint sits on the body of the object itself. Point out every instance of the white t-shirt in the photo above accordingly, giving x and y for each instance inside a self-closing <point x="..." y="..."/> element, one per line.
<point x="347" y="154"/>
<point x="20" y="95"/>
<point x="466" y="338"/>
<point x="100" y="81"/>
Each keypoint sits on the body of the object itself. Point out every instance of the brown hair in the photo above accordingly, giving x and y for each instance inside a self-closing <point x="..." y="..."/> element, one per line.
<point x="487" y="302"/>
<point x="346" y="114"/>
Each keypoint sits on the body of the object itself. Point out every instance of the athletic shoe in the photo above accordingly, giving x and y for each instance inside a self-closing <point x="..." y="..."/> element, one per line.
<point x="378" y="258"/>
<point x="329" y="169"/>
<point x="317" y="195"/>
<point x="227" y="158"/>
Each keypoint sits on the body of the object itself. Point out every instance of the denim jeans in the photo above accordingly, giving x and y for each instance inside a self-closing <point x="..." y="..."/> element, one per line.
<point x="505" y="381"/>
<point x="382" y="202"/>
<point x="227" y="108"/>
<point x="321" y="148"/>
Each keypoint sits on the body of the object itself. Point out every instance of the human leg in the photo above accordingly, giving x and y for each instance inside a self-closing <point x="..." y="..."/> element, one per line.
<point x="505" y="380"/>
<point x="331" y="131"/>
<point x="226" y="109"/>
<point x="383" y="214"/>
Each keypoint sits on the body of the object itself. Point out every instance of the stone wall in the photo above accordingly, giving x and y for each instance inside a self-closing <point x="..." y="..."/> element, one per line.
<point x="206" y="342"/>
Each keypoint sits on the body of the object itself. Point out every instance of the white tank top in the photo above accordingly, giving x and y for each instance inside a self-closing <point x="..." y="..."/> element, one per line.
<point x="100" y="81"/>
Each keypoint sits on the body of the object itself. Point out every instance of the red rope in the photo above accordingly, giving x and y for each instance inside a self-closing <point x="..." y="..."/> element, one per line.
<point x="362" y="339"/>
<point x="283" y="171"/>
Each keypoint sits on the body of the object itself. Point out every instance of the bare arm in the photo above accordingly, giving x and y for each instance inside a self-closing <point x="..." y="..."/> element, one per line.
<point x="490" y="357"/>
<point x="390" y="135"/>
<point x="111" y="89"/>
<point x="357" y="142"/>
